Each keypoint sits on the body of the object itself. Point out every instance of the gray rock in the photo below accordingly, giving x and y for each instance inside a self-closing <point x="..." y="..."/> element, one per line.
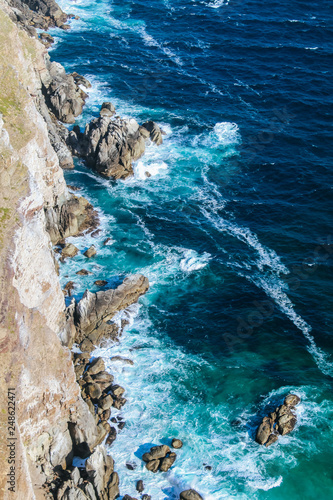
<point x="107" y="109"/>
<point x="155" y="132"/>
<point x="140" y="486"/>
<point x="113" y="486"/>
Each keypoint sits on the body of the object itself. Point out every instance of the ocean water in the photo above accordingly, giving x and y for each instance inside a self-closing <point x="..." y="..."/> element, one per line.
<point x="233" y="229"/>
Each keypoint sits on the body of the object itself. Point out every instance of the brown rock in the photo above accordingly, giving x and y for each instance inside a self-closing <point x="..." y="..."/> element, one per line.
<point x="107" y="109"/>
<point x="272" y="439"/>
<point x="69" y="287"/>
<point x="112" y="436"/>
<point x="190" y="495"/>
<point x="124" y="360"/>
<point x="117" y="390"/>
<point x="113" y="486"/>
<point x="90" y="252"/>
<point x="292" y="400"/>
<point x="153" y="465"/>
<point x="140" y="486"/>
<point x="156" y="452"/>
<point x="167" y="462"/>
<point x="96" y="366"/>
<point x="105" y="403"/>
<point x="264" y="431"/>
<point x="119" y="403"/>
<point x="177" y="443"/>
<point x="69" y="250"/>
<point x="100" y="282"/>
<point x="87" y="346"/>
<point x="83" y="272"/>
<point x="155" y="132"/>
<point x="93" y="390"/>
<point x="287" y="427"/>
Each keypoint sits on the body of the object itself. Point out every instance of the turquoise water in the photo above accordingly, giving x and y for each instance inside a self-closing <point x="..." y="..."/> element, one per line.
<point x="232" y="229"/>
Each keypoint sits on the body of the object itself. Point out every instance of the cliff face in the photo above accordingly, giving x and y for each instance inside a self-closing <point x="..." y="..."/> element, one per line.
<point x="32" y="304"/>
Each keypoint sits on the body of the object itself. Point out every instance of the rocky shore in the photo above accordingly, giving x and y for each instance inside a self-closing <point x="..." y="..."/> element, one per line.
<point x="64" y="397"/>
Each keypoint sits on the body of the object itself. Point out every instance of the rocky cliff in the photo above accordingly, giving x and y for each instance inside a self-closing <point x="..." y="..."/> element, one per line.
<point x="44" y="419"/>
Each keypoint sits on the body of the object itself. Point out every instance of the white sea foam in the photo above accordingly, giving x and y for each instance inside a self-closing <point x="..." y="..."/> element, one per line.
<point x="193" y="262"/>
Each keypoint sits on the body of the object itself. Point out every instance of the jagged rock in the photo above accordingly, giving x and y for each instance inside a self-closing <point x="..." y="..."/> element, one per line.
<point x="96" y="366"/>
<point x="103" y="379"/>
<point x="99" y="468"/>
<point x="287" y="426"/>
<point x="107" y="109"/>
<point x="113" y="487"/>
<point x="106" y="415"/>
<point x="87" y="346"/>
<point x="146" y="497"/>
<point x="140" y="486"/>
<point x="90" y="252"/>
<point x="69" y="287"/>
<point x="64" y="96"/>
<point x="109" y="145"/>
<point x="153" y="465"/>
<point x="69" y="250"/>
<point x="131" y="465"/>
<point x="117" y="390"/>
<point x="127" y="497"/>
<point x="155" y="132"/>
<point x="107" y="241"/>
<point x="75" y="476"/>
<point x="156" y="452"/>
<point x="177" y="443"/>
<point x="95" y="309"/>
<point x="83" y="272"/>
<point x="70" y="218"/>
<point x="190" y="495"/>
<point x="81" y="80"/>
<point x="119" y="403"/>
<point x="46" y="39"/>
<point x="167" y="462"/>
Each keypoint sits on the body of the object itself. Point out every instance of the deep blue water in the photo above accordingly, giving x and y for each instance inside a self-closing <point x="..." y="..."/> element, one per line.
<point x="233" y="229"/>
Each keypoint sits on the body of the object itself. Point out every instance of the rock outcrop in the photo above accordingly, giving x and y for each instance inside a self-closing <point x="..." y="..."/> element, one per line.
<point x="190" y="495"/>
<point x="159" y="458"/>
<point x="110" y="145"/>
<point x="280" y="422"/>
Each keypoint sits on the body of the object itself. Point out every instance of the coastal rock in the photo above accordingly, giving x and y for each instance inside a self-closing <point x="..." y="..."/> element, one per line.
<point x="155" y="133"/>
<point x="112" y="436"/>
<point x="140" y="486"/>
<point x="94" y="391"/>
<point x="95" y="310"/>
<point x="69" y="250"/>
<point x="109" y="146"/>
<point x="107" y="109"/>
<point x="281" y="421"/>
<point x="90" y="252"/>
<point x="96" y="366"/>
<point x="177" y="443"/>
<point x="83" y="272"/>
<point x="153" y="465"/>
<point x="156" y="452"/>
<point x="100" y="283"/>
<point x="127" y="361"/>
<point x="190" y="495"/>
<point x="65" y="97"/>
<point x="99" y="468"/>
<point x="146" y="497"/>
<point x="113" y="487"/>
<point x="167" y="462"/>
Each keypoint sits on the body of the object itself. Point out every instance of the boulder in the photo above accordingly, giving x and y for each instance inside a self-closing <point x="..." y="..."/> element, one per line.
<point x="113" y="486"/>
<point x="90" y="252"/>
<point x="156" y="452"/>
<point x="167" y="462"/>
<point x="272" y="439"/>
<point x="117" y="390"/>
<point x="140" y="486"/>
<point x="96" y="366"/>
<point x="105" y="403"/>
<point x="83" y="272"/>
<point x="69" y="250"/>
<point x="154" y="130"/>
<point x="292" y="400"/>
<point x="100" y="282"/>
<point x="107" y="109"/>
<point x="127" y="361"/>
<point x="93" y="391"/>
<point x="177" y="443"/>
<point x="190" y="495"/>
<point x="153" y="465"/>
<point x="99" y="468"/>
<point x="112" y="436"/>
<point x="119" y="403"/>
<point x="264" y="431"/>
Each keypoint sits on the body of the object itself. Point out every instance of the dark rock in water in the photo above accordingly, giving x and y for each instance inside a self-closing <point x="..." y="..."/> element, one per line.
<point x="167" y="462"/>
<point x="121" y="425"/>
<point x="140" y="486"/>
<point x="87" y="346"/>
<point x="146" y="497"/>
<point x="131" y="465"/>
<point x="207" y="467"/>
<point x="127" y="497"/>
<point x="94" y="391"/>
<point x="107" y="109"/>
<point x="90" y="252"/>
<point x="100" y="282"/>
<point x="73" y="188"/>
<point x="107" y="241"/>
<point x="69" y="250"/>
<point x="177" y="443"/>
<point x="117" y="390"/>
<point x="153" y="465"/>
<point x="96" y="366"/>
<point x="281" y="421"/>
<point x="69" y="287"/>
<point x="112" y="436"/>
<point x="83" y="272"/>
<point x="236" y="423"/>
<point x="105" y="403"/>
<point x="119" y="403"/>
<point x="190" y="495"/>
<point x="155" y="132"/>
<point x="156" y="452"/>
